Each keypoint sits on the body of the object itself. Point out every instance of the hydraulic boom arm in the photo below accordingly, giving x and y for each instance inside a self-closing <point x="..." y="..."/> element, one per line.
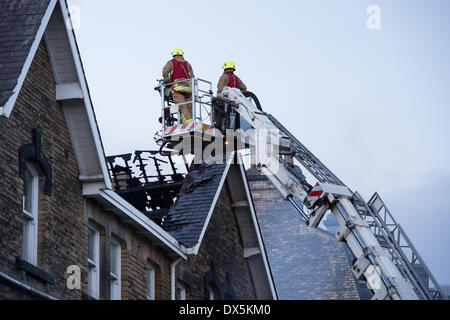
<point x="383" y="268"/>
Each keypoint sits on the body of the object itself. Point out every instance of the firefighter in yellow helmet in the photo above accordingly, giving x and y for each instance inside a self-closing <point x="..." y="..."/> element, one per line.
<point x="229" y="79"/>
<point x="177" y="70"/>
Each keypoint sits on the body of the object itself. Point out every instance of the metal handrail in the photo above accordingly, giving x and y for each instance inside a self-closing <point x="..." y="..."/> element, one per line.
<point x="403" y="266"/>
<point x="400" y="248"/>
<point x="197" y="101"/>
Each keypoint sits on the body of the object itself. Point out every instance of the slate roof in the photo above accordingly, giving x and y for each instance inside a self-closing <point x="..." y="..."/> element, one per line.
<point x="19" y="23"/>
<point x="306" y="263"/>
<point x="187" y="217"/>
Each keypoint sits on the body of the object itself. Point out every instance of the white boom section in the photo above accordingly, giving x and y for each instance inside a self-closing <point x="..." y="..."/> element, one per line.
<point x="269" y="164"/>
<point x="373" y="264"/>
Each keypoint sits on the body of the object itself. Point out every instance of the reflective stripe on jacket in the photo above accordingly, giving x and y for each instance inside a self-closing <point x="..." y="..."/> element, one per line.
<point x="177" y="70"/>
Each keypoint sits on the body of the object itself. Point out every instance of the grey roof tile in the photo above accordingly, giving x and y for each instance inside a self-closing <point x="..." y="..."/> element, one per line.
<point x="19" y="23"/>
<point x="187" y="217"/>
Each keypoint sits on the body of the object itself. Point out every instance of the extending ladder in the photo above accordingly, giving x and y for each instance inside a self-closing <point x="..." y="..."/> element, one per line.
<point x="388" y="232"/>
<point x="385" y="258"/>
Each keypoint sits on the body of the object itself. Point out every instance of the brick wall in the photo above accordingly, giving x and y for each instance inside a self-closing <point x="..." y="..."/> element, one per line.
<point x="62" y="230"/>
<point x="306" y="263"/>
<point x="63" y="216"/>
<point x="137" y="251"/>
<point x="222" y="245"/>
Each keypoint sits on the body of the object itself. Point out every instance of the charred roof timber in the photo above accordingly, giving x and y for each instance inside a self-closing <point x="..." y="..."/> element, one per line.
<point x="140" y="179"/>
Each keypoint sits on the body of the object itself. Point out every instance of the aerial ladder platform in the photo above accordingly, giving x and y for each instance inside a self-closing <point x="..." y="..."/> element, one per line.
<point x="384" y="256"/>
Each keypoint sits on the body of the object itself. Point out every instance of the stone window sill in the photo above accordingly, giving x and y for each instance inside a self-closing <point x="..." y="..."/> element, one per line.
<point x="35" y="271"/>
<point x="85" y="296"/>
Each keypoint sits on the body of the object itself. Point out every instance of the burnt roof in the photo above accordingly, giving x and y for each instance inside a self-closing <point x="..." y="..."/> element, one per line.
<point x="187" y="217"/>
<point x="140" y="179"/>
<point x="19" y="23"/>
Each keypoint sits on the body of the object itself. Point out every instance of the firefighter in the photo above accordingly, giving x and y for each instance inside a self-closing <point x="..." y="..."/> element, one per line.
<point x="176" y="70"/>
<point x="229" y="79"/>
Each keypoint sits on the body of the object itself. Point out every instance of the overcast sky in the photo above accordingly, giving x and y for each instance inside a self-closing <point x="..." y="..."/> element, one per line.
<point x="373" y="105"/>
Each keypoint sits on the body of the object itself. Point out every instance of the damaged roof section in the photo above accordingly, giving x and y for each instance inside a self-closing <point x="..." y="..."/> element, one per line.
<point x="180" y="203"/>
<point x="147" y="180"/>
<point x="19" y="24"/>
<point x="195" y="204"/>
<point x="187" y="218"/>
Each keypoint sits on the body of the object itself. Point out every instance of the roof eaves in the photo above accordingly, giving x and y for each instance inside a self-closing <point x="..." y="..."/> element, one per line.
<point x="86" y="93"/>
<point x="121" y="204"/>
<point x="88" y="99"/>
<point x="213" y="204"/>
<point x="258" y="232"/>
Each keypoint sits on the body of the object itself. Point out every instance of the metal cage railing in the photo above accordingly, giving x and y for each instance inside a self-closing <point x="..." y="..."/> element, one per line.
<point x="201" y="101"/>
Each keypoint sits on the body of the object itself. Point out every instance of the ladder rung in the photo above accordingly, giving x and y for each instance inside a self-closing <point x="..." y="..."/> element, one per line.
<point x="382" y="241"/>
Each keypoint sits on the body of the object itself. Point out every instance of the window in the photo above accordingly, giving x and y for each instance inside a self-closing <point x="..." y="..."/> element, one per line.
<point x="180" y="292"/>
<point x="93" y="262"/>
<point x="150" y="282"/>
<point x="30" y="212"/>
<point x="115" y="271"/>
<point x="211" y="292"/>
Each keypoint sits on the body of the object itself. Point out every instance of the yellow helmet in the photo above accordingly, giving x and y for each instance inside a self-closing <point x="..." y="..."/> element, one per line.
<point x="177" y="52"/>
<point x="229" y="65"/>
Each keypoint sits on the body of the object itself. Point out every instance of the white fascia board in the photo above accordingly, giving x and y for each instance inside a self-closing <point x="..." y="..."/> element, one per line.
<point x="9" y="105"/>
<point x="257" y="230"/>
<point x="95" y="178"/>
<point x="85" y="91"/>
<point x="93" y="187"/>
<point x="213" y="205"/>
<point x="121" y="204"/>
<point x="69" y="91"/>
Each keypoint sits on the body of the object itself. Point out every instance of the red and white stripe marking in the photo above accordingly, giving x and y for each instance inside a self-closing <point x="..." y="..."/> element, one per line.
<point x="315" y="193"/>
